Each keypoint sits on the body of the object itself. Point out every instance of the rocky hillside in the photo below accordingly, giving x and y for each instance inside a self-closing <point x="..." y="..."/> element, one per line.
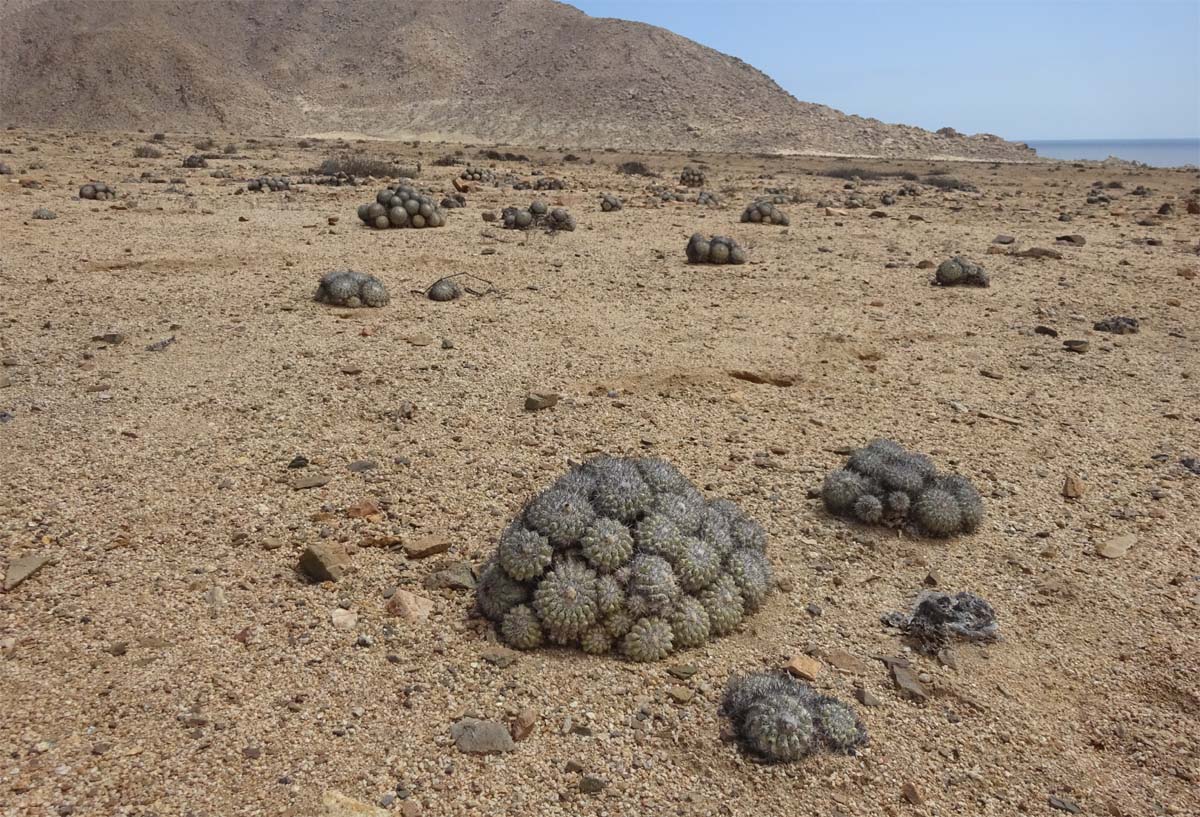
<point x="527" y="72"/>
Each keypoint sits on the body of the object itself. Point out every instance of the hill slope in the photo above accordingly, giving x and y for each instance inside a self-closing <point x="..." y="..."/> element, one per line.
<point x="515" y="71"/>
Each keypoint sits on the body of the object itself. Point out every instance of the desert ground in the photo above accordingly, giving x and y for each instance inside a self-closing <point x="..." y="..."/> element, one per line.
<point x="168" y="658"/>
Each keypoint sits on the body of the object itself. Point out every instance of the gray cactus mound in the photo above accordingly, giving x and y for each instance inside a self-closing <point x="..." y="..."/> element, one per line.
<point x="691" y="177"/>
<point x="42" y="214"/>
<point x="5" y="169"/>
<point x="780" y="719"/>
<point x="602" y="557"/>
<point x="478" y="174"/>
<point x="939" y="618"/>
<point x="707" y="198"/>
<point x="1118" y="325"/>
<point x="764" y="212"/>
<point x="549" y="183"/>
<point x="537" y="214"/>
<point x="445" y="289"/>
<point x="610" y="203"/>
<point x="98" y="191"/>
<point x="454" y="201"/>
<point x="958" y="271"/>
<point x="195" y="161"/>
<point x="400" y="207"/>
<point x="271" y="184"/>
<point x="884" y="483"/>
<point x="350" y="288"/>
<point x="717" y="249"/>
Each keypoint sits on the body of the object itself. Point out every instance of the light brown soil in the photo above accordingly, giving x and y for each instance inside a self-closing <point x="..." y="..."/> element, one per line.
<point x="169" y="662"/>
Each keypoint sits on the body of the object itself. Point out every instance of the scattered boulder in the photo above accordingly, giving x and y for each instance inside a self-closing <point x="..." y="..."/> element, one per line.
<point x="324" y="562"/>
<point x="352" y="289"/>
<point x="717" y="249"/>
<point x="958" y="271"/>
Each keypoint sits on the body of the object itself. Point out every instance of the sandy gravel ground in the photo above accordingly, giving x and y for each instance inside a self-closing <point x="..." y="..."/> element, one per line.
<point x="169" y="660"/>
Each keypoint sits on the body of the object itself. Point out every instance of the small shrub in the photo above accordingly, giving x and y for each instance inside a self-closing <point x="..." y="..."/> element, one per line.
<point x="205" y="144"/>
<point x="354" y="164"/>
<point x="159" y="137"/>
<point x="230" y="149"/>
<point x="635" y="169"/>
<point x="147" y="152"/>
<point x="949" y="183"/>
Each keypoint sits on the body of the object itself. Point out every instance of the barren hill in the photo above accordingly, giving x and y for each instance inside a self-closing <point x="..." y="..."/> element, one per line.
<point x="515" y="71"/>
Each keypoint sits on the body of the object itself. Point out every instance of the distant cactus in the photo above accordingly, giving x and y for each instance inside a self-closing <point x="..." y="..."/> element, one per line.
<point x="478" y="174"/>
<point x="958" y="271"/>
<point x="538" y="214"/>
<point x="272" y="184"/>
<point x="691" y="177"/>
<point x="764" y="212"/>
<point x="195" y="161"/>
<point x="717" y="249"/>
<point x="400" y="207"/>
<point x="883" y="483"/>
<point x="350" y="288"/>
<point x="707" y="198"/>
<point x="782" y="720"/>
<point x="97" y="190"/>
<point x="624" y="555"/>
<point x="609" y="202"/>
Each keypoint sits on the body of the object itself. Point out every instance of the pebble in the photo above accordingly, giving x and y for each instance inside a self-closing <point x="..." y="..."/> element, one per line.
<point x="538" y="400"/>
<point x="865" y="697"/>
<point x="1062" y="805"/>
<point x="476" y="736"/>
<point x="1116" y="547"/>
<point x="310" y="481"/>
<point x="1073" y="487"/>
<point x="427" y="546"/>
<point x="908" y="683"/>
<point x="324" y="561"/>
<point x="22" y="568"/>
<point x="1077" y="346"/>
<point x="912" y="794"/>
<point x="680" y="694"/>
<point x="522" y="725"/>
<point x="343" y="619"/>
<point x="459" y="576"/>
<point x="804" y="666"/>
<point x="358" y="466"/>
<point x="409" y="606"/>
<point x="336" y="804"/>
<point x="591" y="785"/>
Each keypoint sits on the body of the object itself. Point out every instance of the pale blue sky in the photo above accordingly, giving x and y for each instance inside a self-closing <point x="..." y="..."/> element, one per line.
<point x="1055" y="69"/>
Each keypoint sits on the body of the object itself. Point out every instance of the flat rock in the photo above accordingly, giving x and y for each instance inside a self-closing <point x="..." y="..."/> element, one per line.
<point x="310" y="481"/>
<point x="501" y="657"/>
<point x="1038" y="252"/>
<point x="589" y="784"/>
<point x="1076" y="346"/>
<point x="474" y="736"/>
<point x="22" y="568"/>
<point x="1073" y="240"/>
<point x="1003" y="239"/>
<point x="865" y="697"/>
<point x="409" y="606"/>
<point x="324" y="561"/>
<point x="458" y="576"/>
<point x="343" y="619"/>
<point x="683" y="671"/>
<point x="680" y="694"/>
<point x="1116" y="547"/>
<point x="906" y="681"/>
<point x="427" y="546"/>
<point x="846" y="662"/>
<point x="804" y="666"/>
<point x="1062" y="805"/>
<point x="336" y="804"/>
<point x="538" y="400"/>
<point x="363" y="509"/>
<point x="911" y="793"/>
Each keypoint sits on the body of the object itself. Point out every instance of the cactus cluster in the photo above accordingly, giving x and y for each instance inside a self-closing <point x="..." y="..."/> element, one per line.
<point x="350" y="288"/>
<point x="884" y="483"/>
<point x="269" y="183"/>
<point x="549" y="183"/>
<point x="401" y="206"/>
<point x="454" y="201"/>
<point x="339" y="179"/>
<point x="195" y="161"/>
<point x="937" y="618"/>
<point x="538" y="214"/>
<point x="610" y="202"/>
<point x="97" y="190"/>
<point x="781" y="195"/>
<point x="478" y="174"/>
<point x="958" y="271"/>
<point x="445" y="289"/>
<point x="691" y="177"/>
<point x="717" y="249"/>
<point x="625" y="555"/>
<point x="764" y="212"/>
<point x="781" y="719"/>
<point x="667" y="194"/>
<point x="1118" y="325"/>
<point x="707" y="198"/>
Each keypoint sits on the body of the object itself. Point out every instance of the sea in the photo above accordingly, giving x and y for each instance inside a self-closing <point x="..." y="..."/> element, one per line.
<point x="1153" y="152"/>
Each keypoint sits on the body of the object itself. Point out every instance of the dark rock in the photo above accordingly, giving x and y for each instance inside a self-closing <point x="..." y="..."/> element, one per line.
<point x="481" y="737"/>
<point x="1117" y="325"/>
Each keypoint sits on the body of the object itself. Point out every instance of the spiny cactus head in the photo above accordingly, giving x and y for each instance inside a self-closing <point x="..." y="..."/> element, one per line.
<point x="650" y="639"/>
<point x="697" y="564"/>
<point x="596" y="640"/>
<point x="657" y="534"/>
<point x="562" y="516"/>
<point x="685" y="509"/>
<point x="652" y="581"/>
<point x="839" y="728"/>
<point x="689" y="623"/>
<point x="521" y="629"/>
<point x="748" y="534"/>
<point x="621" y="494"/>
<point x="565" y="599"/>
<point x="752" y="572"/>
<point x="724" y="604"/>
<point x="937" y="512"/>
<point x="778" y="729"/>
<point x="841" y="490"/>
<point x="868" y="509"/>
<point x="662" y="476"/>
<point x="524" y="554"/>
<point x="606" y="544"/>
<point x="610" y="594"/>
<point x="496" y="592"/>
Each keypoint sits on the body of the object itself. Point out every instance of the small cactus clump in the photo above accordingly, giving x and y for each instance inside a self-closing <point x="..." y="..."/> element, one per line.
<point x="401" y="206"/>
<point x="350" y="288"/>
<point x="764" y="212"/>
<point x="624" y="555"/>
<point x="609" y="202"/>
<point x="691" y="177"/>
<point x="781" y="719"/>
<point x="195" y="161"/>
<point x="549" y="183"/>
<point x="937" y="618"/>
<point x="958" y="271"/>
<point x="717" y="249"/>
<point x="538" y="214"/>
<point x="478" y="174"/>
<point x="98" y="191"/>
<point x="884" y="483"/>
<point x="453" y="201"/>
<point x="1118" y="325"/>
<point x="707" y="198"/>
<point x="273" y="184"/>
<point x="445" y="289"/>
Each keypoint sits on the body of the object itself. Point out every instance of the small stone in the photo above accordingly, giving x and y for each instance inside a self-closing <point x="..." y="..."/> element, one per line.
<point x="591" y="785"/>
<point x="1116" y="547"/>
<point x="680" y="694"/>
<point x="252" y="752"/>
<point x="1045" y="330"/>
<point x="459" y="576"/>
<point x="538" y="400"/>
<point x="343" y="619"/>
<point x="912" y="794"/>
<point x="907" y="683"/>
<point x="22" y="568"/>
<point x="363" y="509"/>
<point x="310" y="481"/>
<point x="359" y="466"/>
<point x="1073" y="487"/>
<point x="683" y="671"/>
<point x="813" y="609"/>
<point x="865" y="697"/>
<point x="1003" y="239"/>
<point x="409" y="606"/>
<point x="804" y="666"/>
<point x="1073" y="240"/>
<point x="501" y="657"/>
<point x="925" y="264"/>
<point x="846" y="662"/>
<point x="522" y="725"/>
<point x="1076" y="346"/>
<point x="324" y="561"/>
<point x="1038" y="252"/>
<point x="427" y="546"/>
<point x="481" y="737"/>
<point x="336" y="804"/>
<point x="111" y="338"/>
<point x="1062" y="805"/>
